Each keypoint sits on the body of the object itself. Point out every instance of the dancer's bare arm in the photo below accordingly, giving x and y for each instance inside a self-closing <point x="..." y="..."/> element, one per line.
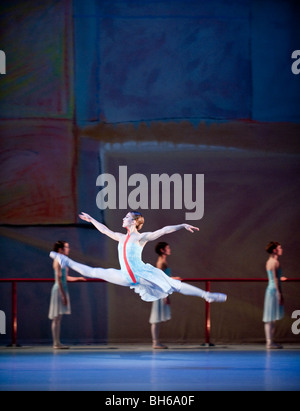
<point x="101" y="227"/>
<point x="152" y="236"/>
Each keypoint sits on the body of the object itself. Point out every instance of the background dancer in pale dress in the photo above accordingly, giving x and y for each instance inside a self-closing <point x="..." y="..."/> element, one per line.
<point x="273" y="305"/>
<point x="161" y="309"/>
<point x="149" y="282"/>
<point x="60" y="299"/>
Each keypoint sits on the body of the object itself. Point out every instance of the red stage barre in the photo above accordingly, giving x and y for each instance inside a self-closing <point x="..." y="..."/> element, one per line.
<point x="207" y="281"/>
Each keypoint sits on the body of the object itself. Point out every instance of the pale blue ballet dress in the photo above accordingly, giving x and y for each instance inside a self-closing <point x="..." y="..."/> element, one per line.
<point x="56" y="304"/>
<point x="149" y="282"/>
<point x="161" y="309"/>
<point x="272" y="310"/>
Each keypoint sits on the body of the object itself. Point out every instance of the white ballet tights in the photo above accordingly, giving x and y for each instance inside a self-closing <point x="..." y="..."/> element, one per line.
<point x="115" y="276"/>
<point x="110" y="275"/>
<point x="187" y="289"/>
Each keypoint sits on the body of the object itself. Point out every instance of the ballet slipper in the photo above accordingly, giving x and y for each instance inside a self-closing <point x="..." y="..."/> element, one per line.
<point x="159" y="346"/>
<point x="273" y="346"/>
<point x="215" y="297"/>
<point x="61" y="347"/>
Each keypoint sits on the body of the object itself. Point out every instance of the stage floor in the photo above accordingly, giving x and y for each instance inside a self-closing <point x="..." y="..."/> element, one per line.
<point x="139" y="368"/>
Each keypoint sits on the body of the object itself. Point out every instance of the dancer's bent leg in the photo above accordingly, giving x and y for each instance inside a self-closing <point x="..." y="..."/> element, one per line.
<point x="188" y="289"/>
<point x="110" y="275"/>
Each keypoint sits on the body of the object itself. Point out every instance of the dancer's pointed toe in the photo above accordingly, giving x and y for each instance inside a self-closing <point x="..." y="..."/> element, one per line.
<point x="216" y="298"/>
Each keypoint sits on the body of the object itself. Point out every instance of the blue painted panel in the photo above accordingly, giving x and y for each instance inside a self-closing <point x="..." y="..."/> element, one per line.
<point x="86" y="61"/>
<point x="167" y="60"/>
<point x="275" y="35"/>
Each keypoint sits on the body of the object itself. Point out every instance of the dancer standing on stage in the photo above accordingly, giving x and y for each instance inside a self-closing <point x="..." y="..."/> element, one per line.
<point x="161" y="309"/>
<point x="273" y="305"/>
<point x="149" y="282"/>
<point x="60" y="299"/>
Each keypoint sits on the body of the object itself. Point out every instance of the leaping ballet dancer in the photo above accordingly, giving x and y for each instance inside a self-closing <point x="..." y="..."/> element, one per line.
<point x="149" y="282"/>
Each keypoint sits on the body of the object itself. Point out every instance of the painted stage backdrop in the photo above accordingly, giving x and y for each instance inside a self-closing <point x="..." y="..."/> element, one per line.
<point x="132" y="91"/>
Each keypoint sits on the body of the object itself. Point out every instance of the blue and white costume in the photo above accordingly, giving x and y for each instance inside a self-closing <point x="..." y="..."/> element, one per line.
<point x="273" y="311"/>
<point x="149" y="282"/>
<point x="161" y="309"/>
<point x="56" y="304"/>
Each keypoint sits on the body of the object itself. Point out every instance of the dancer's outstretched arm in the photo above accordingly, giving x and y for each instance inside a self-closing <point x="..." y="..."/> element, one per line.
<point x="101" y="227"/>
<point x="151" y="236"/>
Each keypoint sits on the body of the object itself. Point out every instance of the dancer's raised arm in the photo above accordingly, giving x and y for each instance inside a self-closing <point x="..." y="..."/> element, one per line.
<point x="151" y="236"/>
<point x="101" y="227"/>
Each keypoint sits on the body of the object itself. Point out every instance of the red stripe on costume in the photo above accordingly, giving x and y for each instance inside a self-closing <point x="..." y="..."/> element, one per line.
<point x="126" y="261"/>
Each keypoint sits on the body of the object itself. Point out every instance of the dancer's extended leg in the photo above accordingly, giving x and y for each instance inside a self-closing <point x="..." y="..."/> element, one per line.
<point x="188" y="289"/>
<point x="110" y="275"/>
